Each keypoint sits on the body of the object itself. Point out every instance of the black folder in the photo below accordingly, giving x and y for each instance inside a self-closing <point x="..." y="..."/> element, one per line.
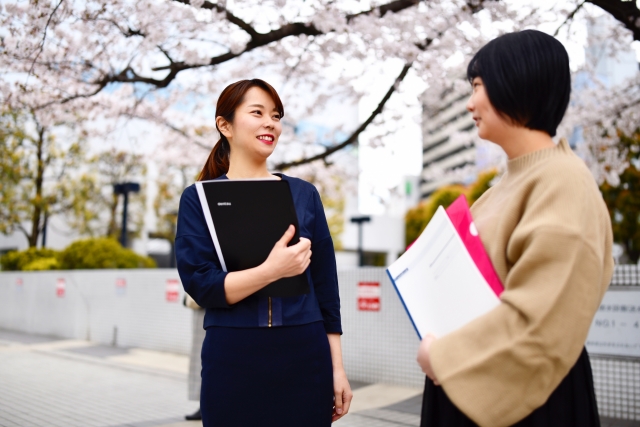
<point x="246" y="218"/>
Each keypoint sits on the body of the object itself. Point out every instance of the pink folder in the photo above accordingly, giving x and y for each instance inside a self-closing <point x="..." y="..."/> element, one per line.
<point x="460" y="216"/>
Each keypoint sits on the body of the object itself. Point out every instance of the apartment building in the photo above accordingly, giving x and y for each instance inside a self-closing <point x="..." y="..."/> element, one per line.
<point x="445" y="147"/>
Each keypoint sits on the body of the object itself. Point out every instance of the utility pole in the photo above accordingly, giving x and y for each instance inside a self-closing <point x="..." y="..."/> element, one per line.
<point x="125" y="188"/>
<point x="360" y="220"/>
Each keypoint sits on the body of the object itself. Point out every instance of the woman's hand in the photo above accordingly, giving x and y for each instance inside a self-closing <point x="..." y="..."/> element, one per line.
<point x="288" y="261"/>
<point x="282" y="262"/>
<point x="424" y="357"/>
<point x="342" y="394"/>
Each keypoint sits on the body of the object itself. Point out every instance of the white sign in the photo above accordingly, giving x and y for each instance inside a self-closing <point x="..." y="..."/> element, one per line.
<point x="616" y="328"/>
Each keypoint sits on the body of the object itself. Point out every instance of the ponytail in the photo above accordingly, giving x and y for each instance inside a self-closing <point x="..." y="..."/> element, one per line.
<point x="217" y="163"/>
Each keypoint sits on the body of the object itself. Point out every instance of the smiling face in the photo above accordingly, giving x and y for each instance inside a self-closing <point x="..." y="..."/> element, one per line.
<point x="491" y="125"/>
<point x="256" y="126"/>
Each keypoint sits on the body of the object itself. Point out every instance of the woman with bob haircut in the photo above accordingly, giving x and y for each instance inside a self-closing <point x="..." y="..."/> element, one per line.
<point x="548" y="234"/>
<point x="266" y="361"/>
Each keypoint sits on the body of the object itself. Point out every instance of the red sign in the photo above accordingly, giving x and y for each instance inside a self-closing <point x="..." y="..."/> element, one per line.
<point x="60" y="288"/>
<point x="173" y="290"/>
<point x="369" y="296"/>
<point x="121" y="286"/>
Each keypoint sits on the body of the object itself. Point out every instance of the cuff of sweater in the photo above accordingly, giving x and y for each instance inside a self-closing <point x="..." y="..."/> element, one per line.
<point x="334" y="327"/>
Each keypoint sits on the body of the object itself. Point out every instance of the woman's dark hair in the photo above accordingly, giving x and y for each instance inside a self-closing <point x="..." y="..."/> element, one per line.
<point x="217" y="163"/>
<point x="527" y="78"/>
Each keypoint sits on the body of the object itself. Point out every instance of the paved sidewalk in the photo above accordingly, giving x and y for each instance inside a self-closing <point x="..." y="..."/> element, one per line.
<point x="69" y="383"/>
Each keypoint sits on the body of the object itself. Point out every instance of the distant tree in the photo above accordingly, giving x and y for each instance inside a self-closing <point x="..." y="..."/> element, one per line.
<point x="96" y="209"/>
<point x="115" y="167"/>
<point x="623" y="200"/>
<point x="37" y="172"/>
<point x="170" y="185"/>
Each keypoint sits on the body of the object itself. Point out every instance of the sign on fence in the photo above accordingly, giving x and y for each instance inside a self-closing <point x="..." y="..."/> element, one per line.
<point x="121" y="286"/>
<point x="173" y="290"/>
<point x="60" y="287"/>
<point x="616" y="327"/>
<point x="369" y="296"/>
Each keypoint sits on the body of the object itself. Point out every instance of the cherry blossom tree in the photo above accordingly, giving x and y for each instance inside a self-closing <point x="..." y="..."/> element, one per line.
<point x="104" y="64"/>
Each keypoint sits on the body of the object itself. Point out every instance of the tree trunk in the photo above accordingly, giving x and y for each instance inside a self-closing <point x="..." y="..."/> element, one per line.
<point x="37" y="201"/>
<point x="112" y="230"/>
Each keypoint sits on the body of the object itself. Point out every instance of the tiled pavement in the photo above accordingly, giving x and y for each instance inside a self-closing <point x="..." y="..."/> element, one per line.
<point x="68" y="383"/>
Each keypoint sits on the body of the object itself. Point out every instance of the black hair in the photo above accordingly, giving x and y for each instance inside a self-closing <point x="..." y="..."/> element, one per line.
<point x="526" y="76"/>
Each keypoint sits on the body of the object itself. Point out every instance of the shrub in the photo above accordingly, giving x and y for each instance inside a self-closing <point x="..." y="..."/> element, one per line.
<point x="482" y="184"/>
<point x="41" y="264"/>
<point x="416" y="219"/>
<point x="101" y="253"/>
<point x="18" y="260"/>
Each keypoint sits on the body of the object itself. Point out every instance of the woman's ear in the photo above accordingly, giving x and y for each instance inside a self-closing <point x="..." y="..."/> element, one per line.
<point x="224" y="127"/>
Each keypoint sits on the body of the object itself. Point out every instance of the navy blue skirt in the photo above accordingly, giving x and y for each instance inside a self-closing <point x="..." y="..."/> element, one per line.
<point x="280" y="376"/>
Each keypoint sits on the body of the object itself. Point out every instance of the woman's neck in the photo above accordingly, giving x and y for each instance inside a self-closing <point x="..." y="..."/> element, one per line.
<point x="245" y="169"/>
<point x="519" y="141"/>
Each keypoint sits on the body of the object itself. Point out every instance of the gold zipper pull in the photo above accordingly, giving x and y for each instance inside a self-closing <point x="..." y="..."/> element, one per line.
<point x="269" y="311"/>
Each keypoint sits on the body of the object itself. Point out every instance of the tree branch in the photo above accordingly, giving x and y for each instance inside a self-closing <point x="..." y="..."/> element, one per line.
<point x="569" y="17"/>
<point x="128" y="75"/>
<point x="228" y="15"/>
<point x="174" y="129"/>
<point x="44" y="37"/>
<point x="354" y="136"/>
<point x="393" y="7"/>
<point x="626" y="12"/>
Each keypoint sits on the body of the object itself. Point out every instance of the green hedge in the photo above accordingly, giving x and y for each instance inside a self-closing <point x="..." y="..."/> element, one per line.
<point x="101" y="253"/>
<point x="87" y="254"/>
<point x="417" y="218"/>
<point x="19" y="260"/>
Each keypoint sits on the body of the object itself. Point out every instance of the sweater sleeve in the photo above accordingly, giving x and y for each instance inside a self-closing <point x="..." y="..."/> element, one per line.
<point x="500" y="367"/>
<point x="198" y="264"/>
<point x="323" y="268"/>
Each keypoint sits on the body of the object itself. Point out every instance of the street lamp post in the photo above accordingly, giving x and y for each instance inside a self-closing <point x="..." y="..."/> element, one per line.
<point x="125" y="188"/>
<point x="360" y="220"/>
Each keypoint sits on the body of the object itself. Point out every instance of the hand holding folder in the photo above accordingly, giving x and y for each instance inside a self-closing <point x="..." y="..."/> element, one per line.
<point x="445" y="279"/>
<point x="245" y="219"/>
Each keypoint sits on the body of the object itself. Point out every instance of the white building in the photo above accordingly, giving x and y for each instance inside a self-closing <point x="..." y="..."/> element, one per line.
<point x="441" y="153"/>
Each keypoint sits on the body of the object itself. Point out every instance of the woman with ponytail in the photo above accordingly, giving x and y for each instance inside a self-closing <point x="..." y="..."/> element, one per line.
<point x="287" y="370"/>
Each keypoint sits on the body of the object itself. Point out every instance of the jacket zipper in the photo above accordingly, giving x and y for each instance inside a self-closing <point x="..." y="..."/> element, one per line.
<point x="269" y="312"/>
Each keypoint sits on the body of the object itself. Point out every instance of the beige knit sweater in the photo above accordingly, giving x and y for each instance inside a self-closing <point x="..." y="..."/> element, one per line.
<point x="548" y="234"/>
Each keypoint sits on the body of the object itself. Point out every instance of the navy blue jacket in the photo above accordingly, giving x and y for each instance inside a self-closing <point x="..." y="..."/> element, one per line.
<point x="203" y="279"/>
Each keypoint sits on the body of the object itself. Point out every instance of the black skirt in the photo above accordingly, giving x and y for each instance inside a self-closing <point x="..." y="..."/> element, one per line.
<point x="572" y="404"/>
<point x="280" y="376"/>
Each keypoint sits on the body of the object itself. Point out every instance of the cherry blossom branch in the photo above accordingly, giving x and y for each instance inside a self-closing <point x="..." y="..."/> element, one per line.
<point x="353" y="138"/>
<point x="569" y="17"/>
<point x="228" y="15"/>
<point x="393" y="7"/>
<point x="129" y="75"/>
<point x="44" y="37"/>
<point x="626" y="12"/>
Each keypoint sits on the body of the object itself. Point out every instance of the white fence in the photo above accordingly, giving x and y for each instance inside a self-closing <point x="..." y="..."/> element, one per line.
<point x="143" y="308"/>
